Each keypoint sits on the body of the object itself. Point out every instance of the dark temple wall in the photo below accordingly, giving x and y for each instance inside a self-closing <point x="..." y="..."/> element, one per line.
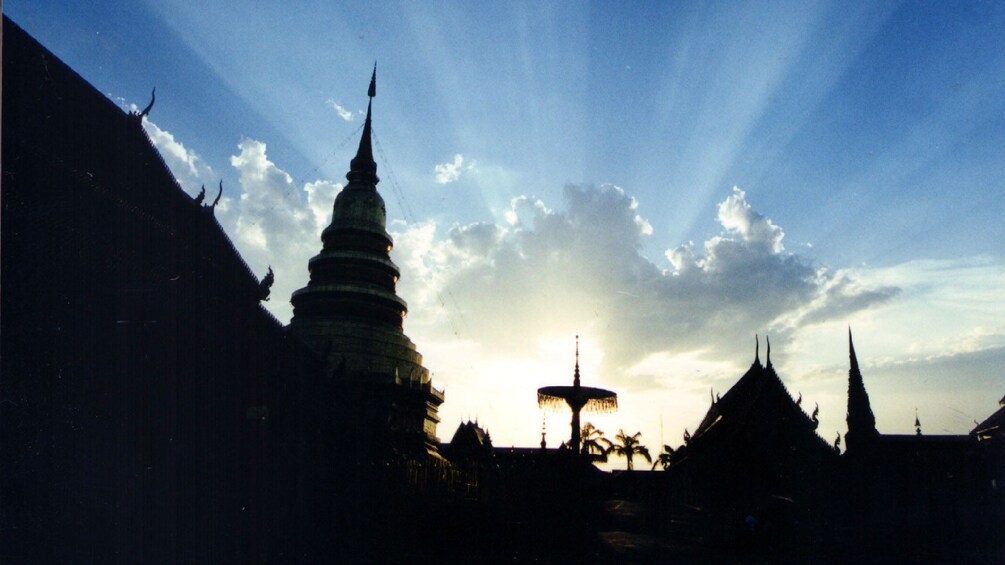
<point x="150" y="409"/>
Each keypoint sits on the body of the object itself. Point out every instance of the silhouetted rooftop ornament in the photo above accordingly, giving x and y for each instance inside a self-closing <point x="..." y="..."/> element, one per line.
<point x="201" y="196"/>
<point x="917" y="423"/>
<point x="265" y="287"/>
<point x="146" y="111"/>
<point x="578" y="398"/>
<point x="768" y="362"/>
<point x="218" y="195"/>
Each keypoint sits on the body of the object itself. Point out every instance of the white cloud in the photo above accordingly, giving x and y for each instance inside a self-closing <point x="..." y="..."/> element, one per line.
<point x="185" y="164"/>
<point x="450" y="172"/>
<point x="736" y="215"/>
<point x="270" y="220"/>
<point x="276" y="223"/>
<point x="663" y="337"/>
<point x="547" y="274"/>
<point x="343" y="113"/>
<point x="580" y="270"/>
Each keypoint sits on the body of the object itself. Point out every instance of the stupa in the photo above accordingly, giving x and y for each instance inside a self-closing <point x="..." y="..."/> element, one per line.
<point x="350" y="314"/>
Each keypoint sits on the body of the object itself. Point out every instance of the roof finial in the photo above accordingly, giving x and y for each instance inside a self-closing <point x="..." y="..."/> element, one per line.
<point x="265" y="285"/>
<point x="757" y="350"/>
<point x="768" y="339"/>
<point x="372" y="91"/>
<point x="575" y="380"/>
<point x="917" y="422"/>
<point x="146" y="111"/>
<point x="218" y="195"/>
<point x="363" y="167"/>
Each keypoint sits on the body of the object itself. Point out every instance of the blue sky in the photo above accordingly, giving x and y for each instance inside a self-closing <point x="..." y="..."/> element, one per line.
<point x="546" y="164"/>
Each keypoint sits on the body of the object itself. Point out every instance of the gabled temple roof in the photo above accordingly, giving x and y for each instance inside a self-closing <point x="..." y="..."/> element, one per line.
<point x="757" y="406"/>
<point x="470" y="435"/>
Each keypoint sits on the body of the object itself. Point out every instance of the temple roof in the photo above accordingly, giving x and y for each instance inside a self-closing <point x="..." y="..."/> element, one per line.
<point x="757" y="407"/>
<point x="993" y="426"/>
<point x="470" y="435"/>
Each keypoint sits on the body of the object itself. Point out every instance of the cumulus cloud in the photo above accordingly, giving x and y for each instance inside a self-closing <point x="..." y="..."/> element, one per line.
<point x="579" y="269"/>
<point x="736" y="216"/>
<point x="185" y="164"/>
<point x="274" y="222"/>
<point x="270" y="219"/>
<point x="450" y="172"/>
<point x="343" y="113"/>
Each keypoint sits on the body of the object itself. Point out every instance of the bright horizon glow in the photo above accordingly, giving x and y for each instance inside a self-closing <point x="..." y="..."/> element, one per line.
<point x="569" y="168"/>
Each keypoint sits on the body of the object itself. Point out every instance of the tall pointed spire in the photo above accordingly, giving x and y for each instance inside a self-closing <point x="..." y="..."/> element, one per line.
<point x="757" y="351"/>
<point x="363" y="167"/>
<point x="853" y="359"/>
<point x="861" y="421"/>
<point x="575" y="380"/>
<point x="350" y="314"/>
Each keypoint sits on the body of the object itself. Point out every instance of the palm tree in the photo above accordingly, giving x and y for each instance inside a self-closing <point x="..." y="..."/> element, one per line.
<point x="595" y="445"/>
<point x="664" y="459"/>
<point x="628" y="446"/>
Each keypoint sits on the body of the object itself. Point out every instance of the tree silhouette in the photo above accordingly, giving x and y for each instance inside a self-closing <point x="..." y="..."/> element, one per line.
<point x="595" y="445"/>
<point x="665" y="458"/>
<point x="628" y="446"/>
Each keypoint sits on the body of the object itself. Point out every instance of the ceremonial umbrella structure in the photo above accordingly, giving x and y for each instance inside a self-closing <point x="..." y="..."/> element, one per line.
<point x="579" y="399"/>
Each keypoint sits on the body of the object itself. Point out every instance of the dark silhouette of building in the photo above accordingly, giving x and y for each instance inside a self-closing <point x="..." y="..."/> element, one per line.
<point x="151" y="410"/>
<point x="931" y="495"/>
<point x="994" y="426"/>
<point x="754" y="472"/>
<point x="350" y="315"/>
<point x="470" y="442"/>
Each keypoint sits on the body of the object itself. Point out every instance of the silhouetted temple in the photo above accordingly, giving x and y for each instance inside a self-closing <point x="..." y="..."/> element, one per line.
<point x="151" y="410"/>
<point x="920" y="491"/>
<point x="755" y="456"/>
<point x="756" y="476"/>
<point x="350" y="315"/>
